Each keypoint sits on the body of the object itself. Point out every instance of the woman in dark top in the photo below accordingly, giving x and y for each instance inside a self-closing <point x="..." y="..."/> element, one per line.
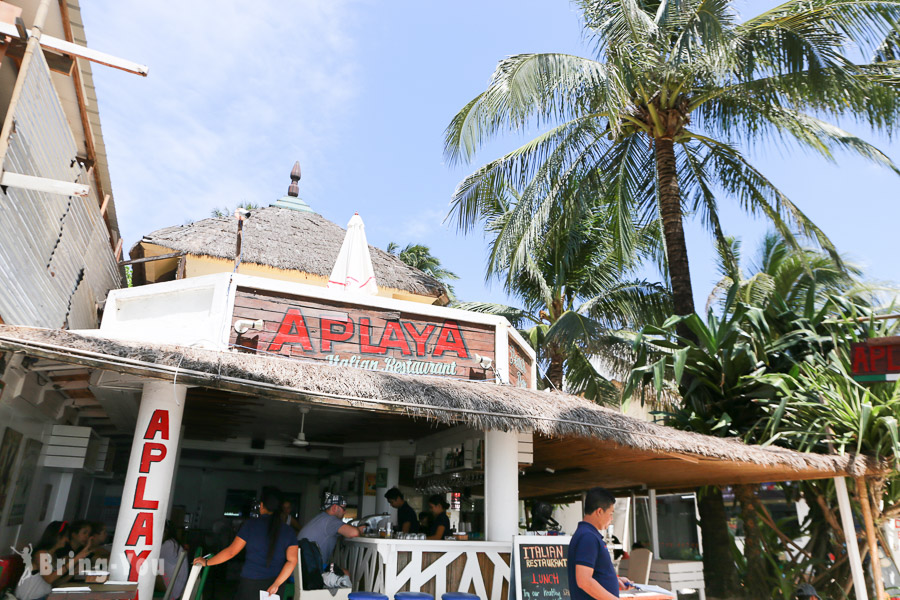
<point x="440" y="525"/>
<point x="271" y="552"/>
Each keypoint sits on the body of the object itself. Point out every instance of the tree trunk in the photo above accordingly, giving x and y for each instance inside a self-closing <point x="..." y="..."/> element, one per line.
<point x="718" y="567"/>
<point x="755" y="585"/>
<point x="673" y="229"/>
<point x="555" y="368"/>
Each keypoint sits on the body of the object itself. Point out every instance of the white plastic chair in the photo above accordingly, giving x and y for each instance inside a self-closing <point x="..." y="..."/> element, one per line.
<point x="301" y="594"/>
<point x="639" y="565"/>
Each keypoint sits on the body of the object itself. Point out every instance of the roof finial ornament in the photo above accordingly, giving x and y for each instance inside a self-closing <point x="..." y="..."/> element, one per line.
<point x="294" y="189"/>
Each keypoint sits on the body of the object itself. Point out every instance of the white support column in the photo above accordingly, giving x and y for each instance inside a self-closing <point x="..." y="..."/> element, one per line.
<point x="391" y="462"/>
<point x="501" y="485"/>
<point x="168" y="512"/>
<point x="148" y="484"/>
<point x="654" y="524"/>
<point x="859" y="582"/>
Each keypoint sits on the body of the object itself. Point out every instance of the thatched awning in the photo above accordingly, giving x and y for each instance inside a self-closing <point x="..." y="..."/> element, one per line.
<point x="590" y="441"/>
<point x="290" y="240"/>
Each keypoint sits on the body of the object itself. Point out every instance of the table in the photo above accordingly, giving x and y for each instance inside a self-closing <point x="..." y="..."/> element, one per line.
<point x="96" y="591"/>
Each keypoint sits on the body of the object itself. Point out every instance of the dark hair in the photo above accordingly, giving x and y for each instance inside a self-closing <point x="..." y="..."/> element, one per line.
<point x="393" y="494"/>
<point x="272" y="502"/>
<point x="52" y="534"/>
<point x="97" y="527"/>
<point x="438" y="500"/>
<point x="598" y="497"/>
<point x="77" y="526"/>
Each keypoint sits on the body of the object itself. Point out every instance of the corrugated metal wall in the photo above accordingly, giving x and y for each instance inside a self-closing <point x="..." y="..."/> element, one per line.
<point x="56" y="262"/>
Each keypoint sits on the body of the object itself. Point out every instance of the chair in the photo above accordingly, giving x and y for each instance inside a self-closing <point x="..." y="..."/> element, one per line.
<point x="460" y="596"/>
<point x="366" y="596"/>
<point x="323" y="594"/>
<point x="639" y="565"/>
<point x="179" y="564"/>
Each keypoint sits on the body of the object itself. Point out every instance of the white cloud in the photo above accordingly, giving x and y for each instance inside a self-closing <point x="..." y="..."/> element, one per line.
<point x="234" y="96"/>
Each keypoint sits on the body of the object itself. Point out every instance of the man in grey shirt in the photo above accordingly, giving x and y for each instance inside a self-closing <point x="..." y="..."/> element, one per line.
<point x="325" y="528"/>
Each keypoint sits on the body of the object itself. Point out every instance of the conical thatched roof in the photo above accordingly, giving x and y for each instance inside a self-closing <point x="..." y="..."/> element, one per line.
<point x="291" y="240"/>
<point x="480" y="405"/>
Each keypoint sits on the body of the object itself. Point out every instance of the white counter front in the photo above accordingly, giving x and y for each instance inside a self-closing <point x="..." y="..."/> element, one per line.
<point x="435" y="567"/>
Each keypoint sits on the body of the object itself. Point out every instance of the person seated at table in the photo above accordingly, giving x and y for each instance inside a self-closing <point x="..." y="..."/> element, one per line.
<point x="99" y="551"/>
<point x="328" y="526"/>
<point x="440" y="524"/>
<point x="79" y="541"/>
<point x="168" y="559"/>
<point x="406" y="516"/>
<point x="592" y="575"/>
<point x="41" y="570"/>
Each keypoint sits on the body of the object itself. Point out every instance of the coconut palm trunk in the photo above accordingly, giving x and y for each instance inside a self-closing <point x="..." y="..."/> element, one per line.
<point x="673" y="228"/>
<point x="755" y="584"/>
<point x="718" y="566"/>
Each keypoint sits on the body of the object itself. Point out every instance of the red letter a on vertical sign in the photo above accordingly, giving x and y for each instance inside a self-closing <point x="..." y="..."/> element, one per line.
<point x="159" y="423"/>
<point x="292" y="330"/>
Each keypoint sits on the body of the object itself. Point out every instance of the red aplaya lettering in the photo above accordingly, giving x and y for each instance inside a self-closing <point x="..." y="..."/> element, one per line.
<point x="393" y="338"/>
<point x="142" y="528"/>
<point x="328" y="334"/>
<point x="152" y="452"/>
<point x="139" y="501"/>
<point x="159" y="423"/>
<point x="420" y="339"/>
<point x="450" y="340"/>
<point x="365" y="342"/>
<point x="135" y="560"/>
<point x="292" y="330"/>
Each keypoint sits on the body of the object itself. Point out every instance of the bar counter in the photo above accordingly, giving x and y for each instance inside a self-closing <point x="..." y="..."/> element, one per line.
<point x="388" y="566"/>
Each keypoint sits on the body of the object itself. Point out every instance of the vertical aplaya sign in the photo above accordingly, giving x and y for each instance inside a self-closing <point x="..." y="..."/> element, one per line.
<point x="148" y="483"/>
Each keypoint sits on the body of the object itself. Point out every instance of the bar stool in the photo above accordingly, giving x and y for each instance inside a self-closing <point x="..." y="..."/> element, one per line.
<point x="413" y="596"/>
<point x="459" y="596"/>
<point x="367" y="596"/>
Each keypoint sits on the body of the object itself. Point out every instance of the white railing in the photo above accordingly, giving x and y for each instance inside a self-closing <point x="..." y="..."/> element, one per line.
<point x="435" y="567"/>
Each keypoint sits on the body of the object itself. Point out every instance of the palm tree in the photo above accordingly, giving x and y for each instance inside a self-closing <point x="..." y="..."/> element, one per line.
<point x="656" y="117"/>
<point x="420" y="257"/>
<point x="790" y="274"/>
<point x="577" y="302"/>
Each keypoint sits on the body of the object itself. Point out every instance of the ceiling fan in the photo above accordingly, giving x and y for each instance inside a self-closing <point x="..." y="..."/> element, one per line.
<point x="300" y="440"/>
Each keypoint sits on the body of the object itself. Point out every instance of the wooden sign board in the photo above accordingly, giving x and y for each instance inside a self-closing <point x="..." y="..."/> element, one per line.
<point x="877" y="359"/>
<point x="519" y="365"/>
<point x="539" y="568"/>
<point x="362" y="337"/>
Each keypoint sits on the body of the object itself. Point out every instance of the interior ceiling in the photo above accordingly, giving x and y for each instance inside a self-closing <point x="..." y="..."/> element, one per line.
<point x="220" y="415"/>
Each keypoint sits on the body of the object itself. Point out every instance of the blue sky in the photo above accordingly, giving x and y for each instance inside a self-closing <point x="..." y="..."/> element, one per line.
<point x="360" y="93"/>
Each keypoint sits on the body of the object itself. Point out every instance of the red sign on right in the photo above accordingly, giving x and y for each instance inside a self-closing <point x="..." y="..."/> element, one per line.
<point x="877" y="359"/>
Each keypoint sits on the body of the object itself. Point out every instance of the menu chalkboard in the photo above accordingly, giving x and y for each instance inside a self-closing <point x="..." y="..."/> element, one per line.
<point x="539" y="569"/>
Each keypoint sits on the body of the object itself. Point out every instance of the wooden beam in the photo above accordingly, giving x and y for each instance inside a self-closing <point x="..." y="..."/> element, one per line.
<point x="65" y="47"/>
<point x="104" y="206"/>
<point x="42" y="184"/>
<point x="137" y="261"/>
<point x="119" y="249"/>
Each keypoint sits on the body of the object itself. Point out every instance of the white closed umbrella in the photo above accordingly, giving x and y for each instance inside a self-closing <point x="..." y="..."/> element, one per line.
<point x="353" y="270"/>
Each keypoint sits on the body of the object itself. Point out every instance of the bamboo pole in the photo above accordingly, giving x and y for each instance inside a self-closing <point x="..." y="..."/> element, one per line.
<point x="858" y="582"/>
<point x="863" y="497"/>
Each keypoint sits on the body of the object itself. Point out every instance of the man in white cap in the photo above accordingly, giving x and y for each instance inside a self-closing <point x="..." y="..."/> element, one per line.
<point x="325" y="528"/>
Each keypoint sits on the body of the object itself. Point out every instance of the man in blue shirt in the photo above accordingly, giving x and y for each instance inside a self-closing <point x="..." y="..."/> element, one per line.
<point x="592" y="575"/>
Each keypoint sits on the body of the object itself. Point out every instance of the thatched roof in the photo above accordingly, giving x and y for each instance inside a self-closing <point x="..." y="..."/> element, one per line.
<point x="480" y="405"/>
<point x="287" y="239"/>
